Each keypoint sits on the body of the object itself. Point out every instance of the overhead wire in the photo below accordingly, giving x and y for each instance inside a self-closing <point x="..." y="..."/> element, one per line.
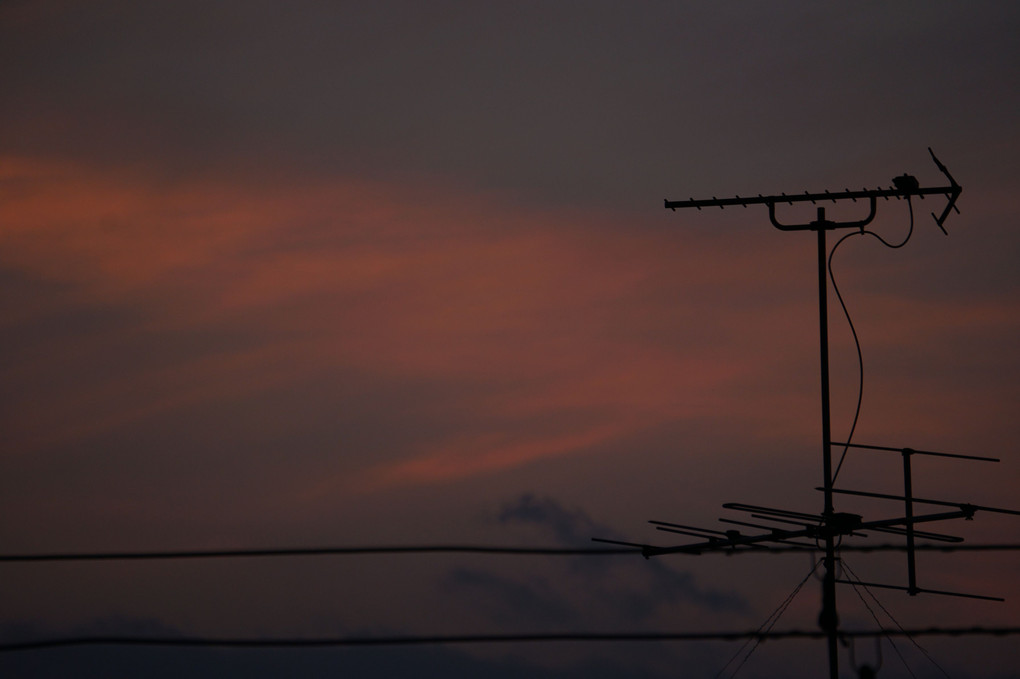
<point x="312" y="642"/>
<point x="318" y="551"/>
<point x="454" y="549"/>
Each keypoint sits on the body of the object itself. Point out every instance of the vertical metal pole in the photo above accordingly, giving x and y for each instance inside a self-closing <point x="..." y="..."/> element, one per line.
<point x="823" y="333"/>
<point x="828" y="620"/>
<point x="908" y="493"/>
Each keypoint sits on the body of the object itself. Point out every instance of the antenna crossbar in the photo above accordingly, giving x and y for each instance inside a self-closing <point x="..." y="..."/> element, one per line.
<point x="904" y="186"/>
<point x="963" y="506"/>
<point x="913" y="451"/>
<point x="815" y="198"/>
<point x="920" y="590"/>
<point x="838" y="524"/>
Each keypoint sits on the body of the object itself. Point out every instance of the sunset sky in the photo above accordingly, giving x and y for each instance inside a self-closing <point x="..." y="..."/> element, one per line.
<point x="294" y="274"/>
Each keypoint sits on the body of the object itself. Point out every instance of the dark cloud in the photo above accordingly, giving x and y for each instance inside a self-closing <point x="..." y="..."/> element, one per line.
<point x="570" y="527"/>
<point x="637" y="597"/>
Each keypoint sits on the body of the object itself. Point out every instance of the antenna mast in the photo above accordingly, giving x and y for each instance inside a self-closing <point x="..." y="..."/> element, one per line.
<point x="904" y="187"/>
<point x="829" y="526"/>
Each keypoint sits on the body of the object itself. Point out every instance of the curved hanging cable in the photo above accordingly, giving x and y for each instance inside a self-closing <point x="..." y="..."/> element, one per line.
<point x="853" y="330"/>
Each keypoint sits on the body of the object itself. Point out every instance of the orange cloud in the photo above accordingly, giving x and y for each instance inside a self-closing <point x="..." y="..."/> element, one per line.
<point x="472" y="456"/>
<point x="611" y="325"/>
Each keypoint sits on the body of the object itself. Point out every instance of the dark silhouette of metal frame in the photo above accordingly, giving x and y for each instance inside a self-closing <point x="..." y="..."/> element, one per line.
<point x="803" y="530"/>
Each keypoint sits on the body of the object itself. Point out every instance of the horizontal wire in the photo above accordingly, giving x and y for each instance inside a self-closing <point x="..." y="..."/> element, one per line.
<point x="309" y="642"/>
<point x="316" y="551"/>
<point x="446" y="549"/>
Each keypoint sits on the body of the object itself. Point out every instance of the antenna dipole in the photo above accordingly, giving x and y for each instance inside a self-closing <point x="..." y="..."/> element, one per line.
<point x="904" y="187"/>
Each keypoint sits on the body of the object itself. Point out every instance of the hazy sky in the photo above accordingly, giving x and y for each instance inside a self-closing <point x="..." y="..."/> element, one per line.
<point x="306" y="273"/>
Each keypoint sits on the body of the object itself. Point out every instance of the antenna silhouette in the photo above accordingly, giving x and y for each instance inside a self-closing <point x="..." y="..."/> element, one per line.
<point x="904" y="186"/>
<point x="799" y="529"/>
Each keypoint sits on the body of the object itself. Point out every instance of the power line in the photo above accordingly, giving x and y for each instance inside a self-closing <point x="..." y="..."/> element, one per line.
<point x="449" y="549"/>
<point x="310" y="642"/>
<point x="315" y="551"/>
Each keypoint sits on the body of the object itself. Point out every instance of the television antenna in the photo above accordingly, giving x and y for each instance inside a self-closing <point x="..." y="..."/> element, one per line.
<point x="799" y="529"/>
